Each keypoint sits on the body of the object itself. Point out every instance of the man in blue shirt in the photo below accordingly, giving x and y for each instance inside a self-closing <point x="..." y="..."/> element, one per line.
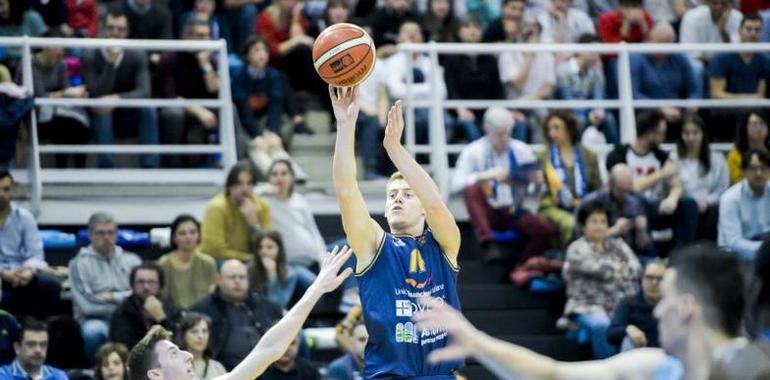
<point x="664" y="76"/>
<point x="741" y="75"/>
<point x="744" y="209"/>
<point x="22" y="263"/>
<point x="31" y="348"/>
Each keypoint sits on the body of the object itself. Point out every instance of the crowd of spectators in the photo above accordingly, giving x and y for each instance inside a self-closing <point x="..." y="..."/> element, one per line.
<point x="269" y="45"/>
<point x="230" y="276"/>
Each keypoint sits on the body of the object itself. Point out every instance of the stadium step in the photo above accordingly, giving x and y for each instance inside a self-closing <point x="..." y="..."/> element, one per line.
<point x="513" y="322"/>
<point x="476" y="272"/>
<point x="499" y="297"/>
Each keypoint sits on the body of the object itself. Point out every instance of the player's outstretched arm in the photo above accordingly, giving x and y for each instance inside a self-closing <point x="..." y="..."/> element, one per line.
<point x="508" y="360"/>
<point x="440" y="219"/>
<point x="361" y="231"/>
<point x="277" y="339"/>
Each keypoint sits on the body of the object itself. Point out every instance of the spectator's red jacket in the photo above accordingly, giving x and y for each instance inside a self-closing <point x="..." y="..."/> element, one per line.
<point x="610" y="24"/>
<point x="82" y="15"/>
<point x="267" y="28"/>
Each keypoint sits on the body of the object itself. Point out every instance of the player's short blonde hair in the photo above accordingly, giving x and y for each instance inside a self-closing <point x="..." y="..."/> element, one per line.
<point x="393" y="178"/>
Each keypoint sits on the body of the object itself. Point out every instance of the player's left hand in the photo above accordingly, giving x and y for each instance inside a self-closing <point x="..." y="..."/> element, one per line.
<point x="330" y="278"/>
<point x="395" y="126"/>
<point x="440" y="316"/>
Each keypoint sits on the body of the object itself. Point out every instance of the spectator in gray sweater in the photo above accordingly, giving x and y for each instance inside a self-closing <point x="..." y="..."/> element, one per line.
<point x="100" y="280"/>
<point x="115" y="73"/>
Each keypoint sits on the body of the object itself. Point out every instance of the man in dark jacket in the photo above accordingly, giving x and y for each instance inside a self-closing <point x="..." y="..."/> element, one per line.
<point x="143" y="309"/>
<point x="239" y="316"/>
<point x="115" y="73"/>
<point x="633" y="324"/>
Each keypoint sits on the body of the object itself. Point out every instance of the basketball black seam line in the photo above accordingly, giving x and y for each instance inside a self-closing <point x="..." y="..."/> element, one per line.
<point x="352" y="67"/>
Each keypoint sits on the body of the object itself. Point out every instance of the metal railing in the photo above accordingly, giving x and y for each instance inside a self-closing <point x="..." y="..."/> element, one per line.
<point x="36" y="176"/>
<point x="438" y="149"/>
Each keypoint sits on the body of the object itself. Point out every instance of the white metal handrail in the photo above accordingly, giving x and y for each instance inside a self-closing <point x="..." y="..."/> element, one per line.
<point x="223" y="102"/>
<point x="626" y="104"/>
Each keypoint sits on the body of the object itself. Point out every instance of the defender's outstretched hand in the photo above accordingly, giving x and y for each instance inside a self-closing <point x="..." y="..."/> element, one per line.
<point x="329" y="278"/>
<point x="462" y="335"/>
<point x="344" y="105"/>
<point x="395" y="128"/>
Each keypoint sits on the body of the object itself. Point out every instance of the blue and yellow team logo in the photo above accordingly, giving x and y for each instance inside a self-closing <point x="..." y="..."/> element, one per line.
<point x="417" y="269"/>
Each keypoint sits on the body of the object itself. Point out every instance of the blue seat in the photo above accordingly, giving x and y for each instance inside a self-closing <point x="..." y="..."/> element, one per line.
<point x="127" y="238"/>
<point x="509" y="236"/>
<point x="55" y="239"/>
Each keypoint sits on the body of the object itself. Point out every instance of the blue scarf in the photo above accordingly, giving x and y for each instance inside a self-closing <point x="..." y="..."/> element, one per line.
<point x="512" y="165"/>
<point x="566" y="196"/>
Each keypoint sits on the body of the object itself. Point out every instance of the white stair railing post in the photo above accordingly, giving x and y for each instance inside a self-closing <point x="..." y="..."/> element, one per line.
<point x="439" y="161"/>
<point x="34" y="154"/>
<point x="227" y="131"/>
<point x="626" y="96"/>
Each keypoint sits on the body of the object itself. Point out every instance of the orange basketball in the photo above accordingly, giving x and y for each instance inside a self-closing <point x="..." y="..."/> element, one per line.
<point x="343" y="55"/>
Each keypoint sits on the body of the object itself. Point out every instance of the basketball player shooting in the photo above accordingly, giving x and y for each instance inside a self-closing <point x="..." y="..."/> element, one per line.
<point x="394" y="269"/>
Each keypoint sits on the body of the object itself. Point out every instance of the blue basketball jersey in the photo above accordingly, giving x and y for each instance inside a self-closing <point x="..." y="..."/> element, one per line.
<point x="404" y="269"/>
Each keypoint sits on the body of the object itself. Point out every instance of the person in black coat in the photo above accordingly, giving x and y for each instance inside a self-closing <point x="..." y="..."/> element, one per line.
<point x="239" y="317"/>
<point x="633" y="324"/>
<point x="144" y="308"/>
<point x="471" y="76"/>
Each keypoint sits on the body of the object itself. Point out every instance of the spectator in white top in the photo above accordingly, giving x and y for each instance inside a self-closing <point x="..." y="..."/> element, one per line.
<point x="493" y="173"/>
<point x="422" y="71"/>
<point x="292" y="217"/>
<point x="715" y="21"/>
<point x="703" y="173"/>
<point x="526" y="75"/>
<point x="564" y="24"/>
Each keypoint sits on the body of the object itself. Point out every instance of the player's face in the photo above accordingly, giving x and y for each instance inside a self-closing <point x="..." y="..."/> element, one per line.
<point x="174" y="363"/>
<point x="669" y="312"/>
<point x="112" y="367"/>
<point x="402" y="208"/>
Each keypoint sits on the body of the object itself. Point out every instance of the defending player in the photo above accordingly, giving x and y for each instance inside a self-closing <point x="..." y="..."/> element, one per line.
<point x="155" y="357"/>
<point x="395" y="269"/>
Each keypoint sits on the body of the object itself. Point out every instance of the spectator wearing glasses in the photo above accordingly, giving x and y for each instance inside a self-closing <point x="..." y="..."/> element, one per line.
<point x="744" y="209"/>
<point x="143" y="308"/>
<point x="633" y="324"/>
<point x="100" y="280"/>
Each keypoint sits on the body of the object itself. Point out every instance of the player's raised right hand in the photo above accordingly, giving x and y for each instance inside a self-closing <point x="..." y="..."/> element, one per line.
<point x="345" y="105"/>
